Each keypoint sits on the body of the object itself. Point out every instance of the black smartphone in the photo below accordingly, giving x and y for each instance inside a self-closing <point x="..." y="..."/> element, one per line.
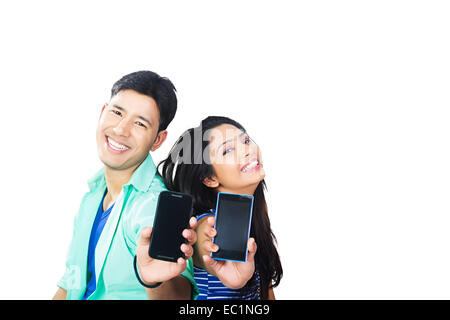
<point x="232" y="223"/>
<point x="173" y="211"/>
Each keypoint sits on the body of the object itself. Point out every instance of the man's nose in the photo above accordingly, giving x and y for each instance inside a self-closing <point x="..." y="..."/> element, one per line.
<point x="122" y="128"/>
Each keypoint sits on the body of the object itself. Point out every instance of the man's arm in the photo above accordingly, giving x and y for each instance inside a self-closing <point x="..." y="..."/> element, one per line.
<point x="60" y="294"/>
<point x="178" y="288"/>
<point x="152" y="271"/>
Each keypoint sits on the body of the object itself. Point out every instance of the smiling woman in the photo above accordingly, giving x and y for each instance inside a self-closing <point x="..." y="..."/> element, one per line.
<point x="219" y="156"/>
<point x="236" y="160"/>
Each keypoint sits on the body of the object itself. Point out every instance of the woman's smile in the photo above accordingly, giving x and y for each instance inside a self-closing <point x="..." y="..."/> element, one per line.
<point x="251" y="166"/>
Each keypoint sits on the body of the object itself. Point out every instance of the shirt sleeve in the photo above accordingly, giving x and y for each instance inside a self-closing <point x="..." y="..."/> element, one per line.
<point x="72" y="275"/>
<point x="141" y="215"/>
<point x="203" y="215"/>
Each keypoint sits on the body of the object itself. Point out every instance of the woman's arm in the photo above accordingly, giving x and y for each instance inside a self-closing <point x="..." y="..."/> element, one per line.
<point x="233" y="275"/>
<point x="271" y="295"/>
<point x="203" y="246"/>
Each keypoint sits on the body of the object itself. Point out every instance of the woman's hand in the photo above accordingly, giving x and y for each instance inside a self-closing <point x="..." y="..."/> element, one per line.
<point x="154" y="270"/>
<point x="233" y="275"/>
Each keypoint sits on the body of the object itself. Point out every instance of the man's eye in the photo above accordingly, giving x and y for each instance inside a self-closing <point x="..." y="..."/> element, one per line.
<point x="116" y="112"/>
<point x="140" y="124"/>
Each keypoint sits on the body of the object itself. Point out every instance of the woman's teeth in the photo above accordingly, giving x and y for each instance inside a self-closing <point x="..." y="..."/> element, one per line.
<point x="116" y="146"/>
<point x="250" y="166"/>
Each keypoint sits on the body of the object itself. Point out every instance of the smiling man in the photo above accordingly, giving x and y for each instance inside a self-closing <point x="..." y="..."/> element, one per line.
<point x="122" y="200"/>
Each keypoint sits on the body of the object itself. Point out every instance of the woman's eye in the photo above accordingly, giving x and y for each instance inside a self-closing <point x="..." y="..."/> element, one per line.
<point x="116" y="112"/>
<point x="247" y="140"/>
<point x="227" y="151"/>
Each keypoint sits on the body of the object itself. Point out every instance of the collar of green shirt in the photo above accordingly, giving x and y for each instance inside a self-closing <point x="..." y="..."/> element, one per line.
<point x="140" y="180"/>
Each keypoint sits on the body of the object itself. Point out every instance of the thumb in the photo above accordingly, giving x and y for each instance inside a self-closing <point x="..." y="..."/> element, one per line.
<point x="144" y="237"/>
<point x="210" y="262"/>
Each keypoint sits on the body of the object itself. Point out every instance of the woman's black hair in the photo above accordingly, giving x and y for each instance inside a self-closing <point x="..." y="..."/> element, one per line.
<point x="184" y="171"/>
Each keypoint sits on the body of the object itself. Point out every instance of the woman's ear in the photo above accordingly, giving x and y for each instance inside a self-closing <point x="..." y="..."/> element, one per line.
<point x="211" y="182"/>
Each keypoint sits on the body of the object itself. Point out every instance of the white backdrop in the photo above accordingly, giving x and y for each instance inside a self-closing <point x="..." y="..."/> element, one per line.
<point x="348" y="100"/>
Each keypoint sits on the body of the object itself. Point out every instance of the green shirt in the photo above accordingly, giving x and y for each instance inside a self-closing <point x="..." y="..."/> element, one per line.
<point x="134" y="209"/>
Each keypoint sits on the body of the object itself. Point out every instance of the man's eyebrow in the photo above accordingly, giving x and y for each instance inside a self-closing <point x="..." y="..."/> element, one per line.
<point x="140" y="117"/>
<point x="242" y="133"/>
<point x="118" y="107"/>
<point x="144" y="119"/>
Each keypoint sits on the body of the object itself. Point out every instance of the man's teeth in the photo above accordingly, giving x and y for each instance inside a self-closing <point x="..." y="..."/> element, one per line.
<point x="251" y="166"/>
<point x="116" y="146"/>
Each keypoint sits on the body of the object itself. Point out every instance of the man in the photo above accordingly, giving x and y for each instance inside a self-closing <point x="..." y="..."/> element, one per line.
<point x="122" y="199"/>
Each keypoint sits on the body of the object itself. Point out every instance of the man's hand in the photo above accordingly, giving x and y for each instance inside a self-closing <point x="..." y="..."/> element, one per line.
<point x="154" y="270"/>
<point x="232" y="274"/>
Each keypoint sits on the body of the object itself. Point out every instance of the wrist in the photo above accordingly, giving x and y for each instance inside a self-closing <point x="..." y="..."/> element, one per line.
<point x="150" y="285"/>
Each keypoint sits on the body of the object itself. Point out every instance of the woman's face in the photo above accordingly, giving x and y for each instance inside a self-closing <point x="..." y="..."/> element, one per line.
<point x="236" y="160"/>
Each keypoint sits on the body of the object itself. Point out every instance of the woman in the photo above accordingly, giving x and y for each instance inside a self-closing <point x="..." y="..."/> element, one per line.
<point x="219" y="156"/>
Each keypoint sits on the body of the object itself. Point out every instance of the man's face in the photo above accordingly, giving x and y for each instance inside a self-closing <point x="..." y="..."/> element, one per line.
<point x="127" y="130"/>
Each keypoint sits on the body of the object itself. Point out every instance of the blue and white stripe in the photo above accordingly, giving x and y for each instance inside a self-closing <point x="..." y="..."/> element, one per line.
<point x="211" y="288"/>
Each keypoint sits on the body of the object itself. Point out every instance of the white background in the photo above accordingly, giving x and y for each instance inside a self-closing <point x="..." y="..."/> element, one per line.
<point x="348" y="100"/>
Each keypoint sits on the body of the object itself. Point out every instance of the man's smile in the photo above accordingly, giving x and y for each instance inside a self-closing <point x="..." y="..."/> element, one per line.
<point x="116" y="146"/>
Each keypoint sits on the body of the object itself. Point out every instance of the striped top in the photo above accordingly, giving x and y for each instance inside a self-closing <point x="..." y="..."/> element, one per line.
<point x="211" y="288"/>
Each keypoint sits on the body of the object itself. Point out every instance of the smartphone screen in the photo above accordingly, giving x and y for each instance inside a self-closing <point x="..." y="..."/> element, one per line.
<point x="233" y="221"/>
<point x="172" y="217"/>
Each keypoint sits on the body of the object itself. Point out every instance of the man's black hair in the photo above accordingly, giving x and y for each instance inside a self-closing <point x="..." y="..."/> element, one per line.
<point x="153" y="85"/>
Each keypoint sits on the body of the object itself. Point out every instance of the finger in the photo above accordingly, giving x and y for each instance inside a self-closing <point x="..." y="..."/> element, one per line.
<point x="211" y="220"/>
<point x="181" y="263"/>
<point x="190" y="235"/>
<point x="144" y="237"/>
<point x="208" y="229"/>
<point x="209" y="246"/>
<point x="193" y="223"/>
<point x="209" y="232"/>
<point x="179" y="267"/>
<point x="187" y="250"/>
<point x="252" y="247"/>
<point x="212" y="232"/>
<point x="214" y="247"/>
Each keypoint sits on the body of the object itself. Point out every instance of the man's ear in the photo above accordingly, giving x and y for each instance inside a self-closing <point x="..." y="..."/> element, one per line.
<point x="211" y="182"/>
<point x="160" y="138"/>
<point x="101" y="112"/>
